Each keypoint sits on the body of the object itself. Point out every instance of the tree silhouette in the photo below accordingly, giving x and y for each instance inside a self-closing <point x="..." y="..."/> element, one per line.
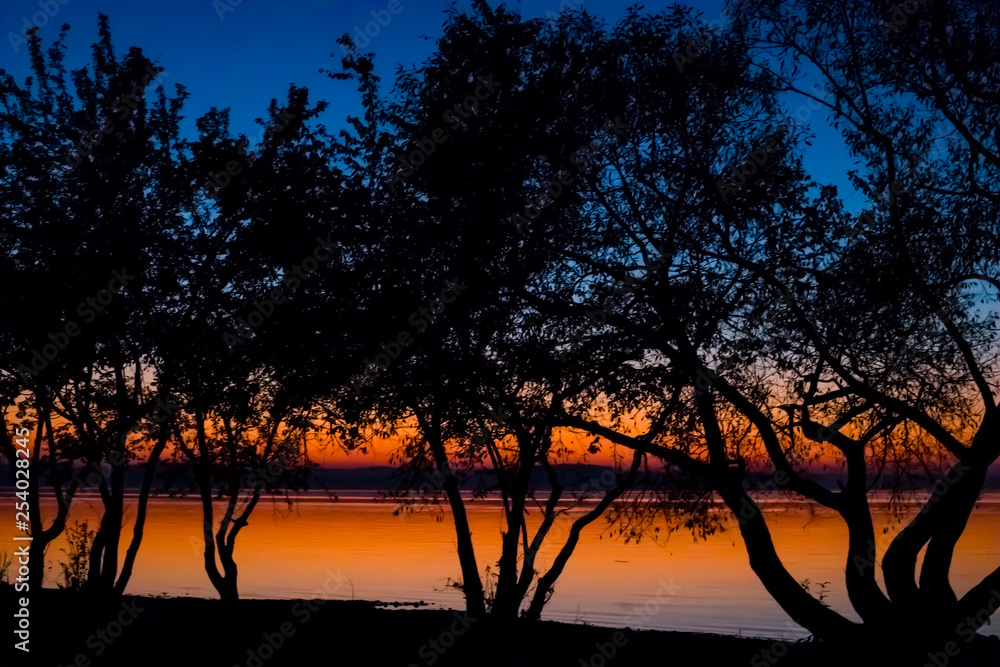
<point x="480" y="373"/>
<point x="87" y="247"/>
<point x="796" y="332"/>
<point x="549" y="232"/>
<point x="247" y="406"/>
<point x="917" y="352"/>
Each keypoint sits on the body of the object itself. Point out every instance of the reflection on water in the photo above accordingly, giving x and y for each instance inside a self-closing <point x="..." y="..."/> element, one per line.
<point x="285" y="553"/>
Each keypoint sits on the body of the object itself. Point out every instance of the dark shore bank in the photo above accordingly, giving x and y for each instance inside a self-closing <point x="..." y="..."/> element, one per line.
<point x="68" y="629"/>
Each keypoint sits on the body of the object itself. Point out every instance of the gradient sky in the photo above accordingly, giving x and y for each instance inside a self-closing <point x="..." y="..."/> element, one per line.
<point x="243" y="55"/>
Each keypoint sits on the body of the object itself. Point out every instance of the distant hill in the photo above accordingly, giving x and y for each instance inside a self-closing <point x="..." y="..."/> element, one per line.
<point x="176" y="478"/>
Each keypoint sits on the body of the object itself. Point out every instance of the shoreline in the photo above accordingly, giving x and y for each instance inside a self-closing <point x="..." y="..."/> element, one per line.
<point x="71" y="629"/>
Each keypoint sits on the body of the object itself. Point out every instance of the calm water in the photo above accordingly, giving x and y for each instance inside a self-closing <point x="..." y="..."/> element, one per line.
<point x="286" y="554"/>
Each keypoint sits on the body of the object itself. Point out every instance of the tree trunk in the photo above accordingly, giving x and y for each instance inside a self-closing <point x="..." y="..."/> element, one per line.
<point x="43" y="537"/>
<point x="862" y="588"/>
<point x="40" y="540"/>
<point x="140" y="517"/>
<point x="472" y="585"/>
<point x="507" y="602"/>
<point x="804" y="609"/>
<point x="546" y="583"/>
<point x="36" y="562"/>
<point x="113" y="517"/>
<point x="934" y="573"/>
<point x="228" y="590"/>
<point x="900" y="562"/>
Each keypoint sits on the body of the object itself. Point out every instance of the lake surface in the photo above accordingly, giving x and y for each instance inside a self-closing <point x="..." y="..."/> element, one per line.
<point x="667" y="584"/>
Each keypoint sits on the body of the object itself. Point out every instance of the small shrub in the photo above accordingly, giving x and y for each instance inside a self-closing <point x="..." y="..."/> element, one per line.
<point x="6" y="560"/>
<point x="75" y="571"/>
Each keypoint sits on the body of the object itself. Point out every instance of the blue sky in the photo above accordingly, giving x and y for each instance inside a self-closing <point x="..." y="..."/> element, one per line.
<point x="243" y="55"/>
